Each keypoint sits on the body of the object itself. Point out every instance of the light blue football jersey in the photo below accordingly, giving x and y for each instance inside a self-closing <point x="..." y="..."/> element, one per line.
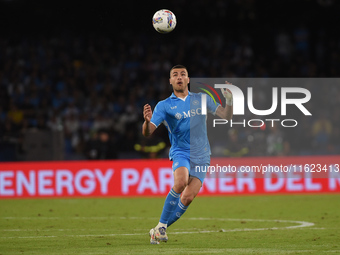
<point x="186" y="125"/>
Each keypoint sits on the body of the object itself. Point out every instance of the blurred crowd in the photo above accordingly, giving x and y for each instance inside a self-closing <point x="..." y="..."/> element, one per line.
<point x="92" y="87"/>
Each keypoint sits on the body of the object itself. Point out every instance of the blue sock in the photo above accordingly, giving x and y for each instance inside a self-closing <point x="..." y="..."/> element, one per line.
<point x="169" y="206"/>
<point x="177" y="213"/>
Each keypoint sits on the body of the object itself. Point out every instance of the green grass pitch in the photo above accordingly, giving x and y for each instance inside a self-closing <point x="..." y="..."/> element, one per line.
<point x="273" y="224"/>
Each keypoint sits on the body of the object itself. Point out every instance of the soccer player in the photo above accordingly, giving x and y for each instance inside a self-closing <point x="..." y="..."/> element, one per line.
<point x="189" y="143"/>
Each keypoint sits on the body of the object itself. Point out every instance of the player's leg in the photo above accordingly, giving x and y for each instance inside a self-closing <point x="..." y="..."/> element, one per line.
<point x="194" y="186"/>
<point x="181" y="179"/>
<point x="188" y="195"/>
<point x="191" y="191"/>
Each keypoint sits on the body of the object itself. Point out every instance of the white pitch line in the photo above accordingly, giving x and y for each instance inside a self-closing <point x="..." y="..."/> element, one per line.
<point x="301" y="224"/>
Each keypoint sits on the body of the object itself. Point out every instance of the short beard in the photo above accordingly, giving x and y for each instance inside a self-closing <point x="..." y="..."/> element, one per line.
<point x="180" y="90"/>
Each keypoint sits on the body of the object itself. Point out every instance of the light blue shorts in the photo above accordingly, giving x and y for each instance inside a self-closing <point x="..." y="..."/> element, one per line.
<point x="194" y="166"/>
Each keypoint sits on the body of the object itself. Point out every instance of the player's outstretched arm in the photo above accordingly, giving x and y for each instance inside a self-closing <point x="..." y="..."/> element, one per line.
<point x="227" y="111"/>
<point x="147" y="128"/>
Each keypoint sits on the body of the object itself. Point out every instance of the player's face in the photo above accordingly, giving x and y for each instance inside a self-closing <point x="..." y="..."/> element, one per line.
<point x="179" y="79"/>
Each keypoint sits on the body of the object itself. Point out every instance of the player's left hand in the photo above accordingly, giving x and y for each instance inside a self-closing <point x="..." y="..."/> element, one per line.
<point x="227" y="94"/>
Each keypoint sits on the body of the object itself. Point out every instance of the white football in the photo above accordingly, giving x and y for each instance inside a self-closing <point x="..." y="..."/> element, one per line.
<point x="164" y="21"/>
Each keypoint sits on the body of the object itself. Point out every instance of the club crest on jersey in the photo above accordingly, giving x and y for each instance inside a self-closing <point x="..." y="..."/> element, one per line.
<point x="195" y="102"/>
<point x="178" y="116"/>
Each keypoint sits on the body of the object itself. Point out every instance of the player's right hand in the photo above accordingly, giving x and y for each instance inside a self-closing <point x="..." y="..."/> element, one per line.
<point x="147" y="112"/>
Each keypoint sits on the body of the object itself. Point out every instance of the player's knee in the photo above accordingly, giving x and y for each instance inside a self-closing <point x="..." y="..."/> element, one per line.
<point x="187" y="199"/>
<point x="179" y="186"/>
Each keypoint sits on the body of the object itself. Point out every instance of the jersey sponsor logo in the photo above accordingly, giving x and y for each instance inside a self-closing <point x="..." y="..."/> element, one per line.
<point x="192" y="113"/>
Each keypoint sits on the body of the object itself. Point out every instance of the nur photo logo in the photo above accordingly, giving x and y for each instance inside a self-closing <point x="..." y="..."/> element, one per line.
<point x="283" y="98"/>
<point x="209" y="93"/>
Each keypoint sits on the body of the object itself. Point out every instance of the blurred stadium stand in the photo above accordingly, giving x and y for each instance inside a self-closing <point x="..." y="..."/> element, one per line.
<point x="42" y="145"/>
<point x="79" y="69"/>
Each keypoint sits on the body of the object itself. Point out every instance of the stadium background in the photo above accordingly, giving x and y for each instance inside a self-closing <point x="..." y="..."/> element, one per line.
<point x="75" y="75"/>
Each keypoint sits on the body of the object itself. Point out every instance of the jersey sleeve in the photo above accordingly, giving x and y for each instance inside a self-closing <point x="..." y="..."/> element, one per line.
<point x="212" y="107"/>
<point x="158" y="115"/>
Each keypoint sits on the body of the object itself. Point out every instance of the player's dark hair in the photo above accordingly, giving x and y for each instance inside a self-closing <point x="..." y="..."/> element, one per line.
<point x="177" y="67"/>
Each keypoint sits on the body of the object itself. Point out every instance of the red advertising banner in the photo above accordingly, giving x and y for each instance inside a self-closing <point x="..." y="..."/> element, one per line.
<point x="225" y="176"/>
